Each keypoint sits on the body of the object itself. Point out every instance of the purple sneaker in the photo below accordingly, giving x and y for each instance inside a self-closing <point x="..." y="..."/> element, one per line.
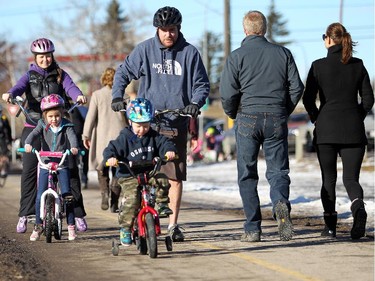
<point x="22" y="225"/>
<point x="81" y="224"/>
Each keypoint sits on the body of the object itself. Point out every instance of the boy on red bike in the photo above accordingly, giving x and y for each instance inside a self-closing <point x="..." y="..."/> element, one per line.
<point x="57" y="134"/>
<point x="139" y="142"/>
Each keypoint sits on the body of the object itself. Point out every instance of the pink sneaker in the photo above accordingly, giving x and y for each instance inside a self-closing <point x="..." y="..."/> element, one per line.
<point x="81" y="224"/>
<point x="71" y="232"/>
<point x="22" y="225"/>
<point x="37" y="232"/>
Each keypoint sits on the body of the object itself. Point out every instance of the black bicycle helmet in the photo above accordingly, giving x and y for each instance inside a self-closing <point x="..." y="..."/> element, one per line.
<point x="167" y="16"/>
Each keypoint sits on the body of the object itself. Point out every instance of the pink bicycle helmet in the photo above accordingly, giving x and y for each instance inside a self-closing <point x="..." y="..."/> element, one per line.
<point x="51" y="101"/>
<point x="42" y="46"/>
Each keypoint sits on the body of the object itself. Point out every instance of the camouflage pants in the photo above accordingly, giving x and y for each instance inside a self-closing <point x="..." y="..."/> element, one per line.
<point x="131" y="200"/>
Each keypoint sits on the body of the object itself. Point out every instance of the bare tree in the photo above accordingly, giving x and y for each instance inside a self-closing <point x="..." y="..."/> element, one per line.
<point x="91" y="44"/>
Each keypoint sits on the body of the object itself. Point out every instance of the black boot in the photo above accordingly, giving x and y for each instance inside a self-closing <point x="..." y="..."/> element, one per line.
<point x="115" y="194"/>
<point x="330" y="220"/>
<point x="104" y="204"/>
<point x="359" y="219"/>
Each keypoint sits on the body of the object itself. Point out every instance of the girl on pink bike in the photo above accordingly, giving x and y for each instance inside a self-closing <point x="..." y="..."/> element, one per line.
<point x="57" y="134"/>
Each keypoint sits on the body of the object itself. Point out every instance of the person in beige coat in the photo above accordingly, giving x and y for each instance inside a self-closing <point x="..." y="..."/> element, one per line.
<point x="102" y="124"/>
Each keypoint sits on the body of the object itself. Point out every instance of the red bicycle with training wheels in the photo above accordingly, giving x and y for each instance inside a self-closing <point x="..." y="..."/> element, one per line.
<point x="146" y="226"/>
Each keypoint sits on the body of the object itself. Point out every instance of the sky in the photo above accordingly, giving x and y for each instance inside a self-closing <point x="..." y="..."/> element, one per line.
<point x="21" y="21"/>
<point x="203" y="186"/>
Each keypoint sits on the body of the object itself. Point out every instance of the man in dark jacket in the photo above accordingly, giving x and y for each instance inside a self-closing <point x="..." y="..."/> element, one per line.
<point x="260" y="87"/>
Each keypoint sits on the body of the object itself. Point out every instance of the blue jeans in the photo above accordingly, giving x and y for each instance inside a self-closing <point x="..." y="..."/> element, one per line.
<point x="269" y="130"/>
<point x="64" y="182"/>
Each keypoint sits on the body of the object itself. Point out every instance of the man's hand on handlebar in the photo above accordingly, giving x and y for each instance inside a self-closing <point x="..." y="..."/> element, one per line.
<point x="118" y="104"/>
<point x="192" y="110"/>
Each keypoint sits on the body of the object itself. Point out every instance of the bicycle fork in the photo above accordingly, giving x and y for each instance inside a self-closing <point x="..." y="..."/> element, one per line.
<point x="148" y="197"/>
<point x="43" y="202"/>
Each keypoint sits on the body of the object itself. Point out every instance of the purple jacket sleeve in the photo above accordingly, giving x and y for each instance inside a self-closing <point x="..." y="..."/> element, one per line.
<point x="70" y="87"/>
<point x="21" y="86"/>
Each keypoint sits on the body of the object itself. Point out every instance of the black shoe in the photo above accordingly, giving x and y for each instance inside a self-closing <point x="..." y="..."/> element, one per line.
<point x="283" y="221"/>
<point x="164" y="211"/>
<point x="328" y="232"/>
<point x="176" y="234"/>
<point x="252" y="236"/>
<point x="359" y="224"/>
<point x="114" y="207"/>
<point x="104" y="204"/>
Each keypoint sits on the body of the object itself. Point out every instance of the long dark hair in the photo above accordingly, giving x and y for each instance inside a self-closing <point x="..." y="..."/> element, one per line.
<point x="337" y="32"/>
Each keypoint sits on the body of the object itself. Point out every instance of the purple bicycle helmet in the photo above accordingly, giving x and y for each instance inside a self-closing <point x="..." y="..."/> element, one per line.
<point x="167" y="16"/>
<point x="140" y="110"/>
<point x="51" y="101"/>
<point x="42" y="46"/>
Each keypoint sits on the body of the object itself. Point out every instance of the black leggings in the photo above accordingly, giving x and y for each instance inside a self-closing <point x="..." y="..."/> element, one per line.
<point x="351" y="157"/>
<point x="29" y="180"/>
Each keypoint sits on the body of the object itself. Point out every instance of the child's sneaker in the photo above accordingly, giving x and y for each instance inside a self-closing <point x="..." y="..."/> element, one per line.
<point x="125" y="237"/>
<point x="37" y="232"/>
<point x="71" y="232"/>
<point x="22" y="225"/>
<point x="164" y="210"/>
<point x="81" y="224"/>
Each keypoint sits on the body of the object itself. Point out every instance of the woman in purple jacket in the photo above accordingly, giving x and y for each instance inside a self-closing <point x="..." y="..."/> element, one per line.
<point x="43" y="78"/>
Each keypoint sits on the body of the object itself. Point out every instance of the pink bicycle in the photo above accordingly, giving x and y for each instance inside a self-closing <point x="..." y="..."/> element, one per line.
<point x="52" y="209"/>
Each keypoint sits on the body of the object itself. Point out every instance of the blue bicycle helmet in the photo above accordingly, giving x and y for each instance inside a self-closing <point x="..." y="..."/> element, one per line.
<point x="140" y="110"/>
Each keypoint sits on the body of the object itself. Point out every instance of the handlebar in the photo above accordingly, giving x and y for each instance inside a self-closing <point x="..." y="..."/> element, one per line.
<point x="156" y="163"/>
<point x="77" y="103"/>
<point x="56" y="154"/>
<point x="20" y="102"/>
<point x="178" y="112"/>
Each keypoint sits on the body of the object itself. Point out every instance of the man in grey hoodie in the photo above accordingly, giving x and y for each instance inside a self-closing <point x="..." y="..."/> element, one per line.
<point x="172" y="76"/>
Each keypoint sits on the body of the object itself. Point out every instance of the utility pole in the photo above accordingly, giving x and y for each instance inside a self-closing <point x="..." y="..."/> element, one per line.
<point x="227" y="41"/>
<point x="341" y="11"/>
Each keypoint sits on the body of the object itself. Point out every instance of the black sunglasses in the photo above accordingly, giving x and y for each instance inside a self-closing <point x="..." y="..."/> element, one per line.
<point x="324" y="37"/>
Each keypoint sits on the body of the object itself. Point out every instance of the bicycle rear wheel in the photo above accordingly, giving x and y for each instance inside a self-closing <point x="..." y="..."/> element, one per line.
<point x="151" y="236"/>
<point x="49" y="217"/>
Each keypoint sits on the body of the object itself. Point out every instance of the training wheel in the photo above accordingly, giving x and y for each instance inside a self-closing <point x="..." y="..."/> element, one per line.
<point x="115" y="248"/>
<point x="168" y="243"/>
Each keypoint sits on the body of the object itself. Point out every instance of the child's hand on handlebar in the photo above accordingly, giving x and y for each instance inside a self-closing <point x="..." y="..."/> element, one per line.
<point x="28" y="148"/>
<point x="74" y="150"/>
<point x="111" y="162"/>
<point x="170" y="155"/>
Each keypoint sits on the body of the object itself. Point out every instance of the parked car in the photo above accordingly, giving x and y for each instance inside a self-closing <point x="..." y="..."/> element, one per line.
<point x="299" y="123"/>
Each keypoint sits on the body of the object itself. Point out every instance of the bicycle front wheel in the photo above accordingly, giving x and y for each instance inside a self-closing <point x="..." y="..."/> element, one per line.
<point x="151" y="236"/>
<point x="49" y="217"/>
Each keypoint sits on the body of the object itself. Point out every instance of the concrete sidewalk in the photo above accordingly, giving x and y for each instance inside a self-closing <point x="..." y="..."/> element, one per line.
<point x="212" y="249"/>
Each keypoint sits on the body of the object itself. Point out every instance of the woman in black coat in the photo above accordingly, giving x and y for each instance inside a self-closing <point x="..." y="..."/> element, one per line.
<point x="345" y="96"/>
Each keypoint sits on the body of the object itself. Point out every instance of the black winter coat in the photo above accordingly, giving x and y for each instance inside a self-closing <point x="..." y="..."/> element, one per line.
<point x="345" y="94"/>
